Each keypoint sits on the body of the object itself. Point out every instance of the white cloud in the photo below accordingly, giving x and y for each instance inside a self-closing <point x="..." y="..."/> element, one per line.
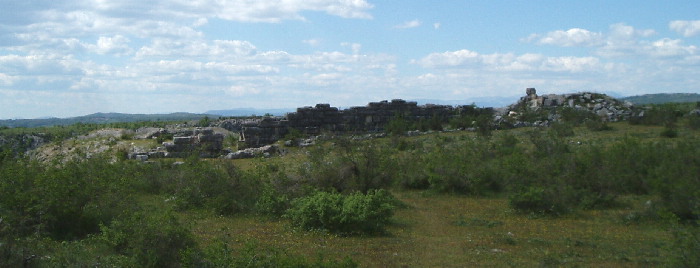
<point x="623" y="31"/>
<point x="508" y="62"/>
<point x="436" y="25"/>
<point x="620" y="40"/>
<point x="312" y="42"/>
<point x="670" y="48"/>
<point x="217" y="49"/>
<point x="570" y="38"/>
<point x="238" y="90"/>
<point x="200" y="22"/>
<point x="118" y="45"/>
<point x="685" y="27"/>
<point x="277" y="11"/>
<point x="355" y="47"/>
<point x="409" y="24"/>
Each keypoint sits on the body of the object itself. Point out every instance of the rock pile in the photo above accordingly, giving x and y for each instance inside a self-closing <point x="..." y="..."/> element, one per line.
<point x="606" y="107"/>
<point x="265" y="151"/>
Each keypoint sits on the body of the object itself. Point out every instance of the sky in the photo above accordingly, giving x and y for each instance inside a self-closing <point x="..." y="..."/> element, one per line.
<point x="72" y="58"/>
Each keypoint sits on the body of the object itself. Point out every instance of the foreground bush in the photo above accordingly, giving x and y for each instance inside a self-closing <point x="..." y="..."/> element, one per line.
<point x="64" y="203"/>
<point x="150" y="239"/>
<point x="347" y="214"/>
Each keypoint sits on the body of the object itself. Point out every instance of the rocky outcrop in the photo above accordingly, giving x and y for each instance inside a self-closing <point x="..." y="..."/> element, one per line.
<point x="606" y="107"/>
<point x="265" y="151"/>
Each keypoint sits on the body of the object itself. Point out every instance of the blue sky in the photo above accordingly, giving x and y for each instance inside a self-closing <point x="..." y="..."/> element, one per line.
<point x="70" y="58"/>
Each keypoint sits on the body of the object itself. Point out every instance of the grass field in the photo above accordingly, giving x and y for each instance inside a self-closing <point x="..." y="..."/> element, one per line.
<point x="450" y="230"/>
<point x="457" y="231"/>
<point x="430" y="227"/>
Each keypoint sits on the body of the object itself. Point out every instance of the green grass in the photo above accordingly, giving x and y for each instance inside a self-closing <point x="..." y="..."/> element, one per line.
<point x="424" y="234"/>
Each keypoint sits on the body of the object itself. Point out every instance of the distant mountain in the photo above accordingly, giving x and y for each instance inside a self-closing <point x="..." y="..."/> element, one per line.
<point x="101" y="118"/>
<point x="663" y="98"/>
<point x="250" y="111"/>
<point x="480" y="102"/>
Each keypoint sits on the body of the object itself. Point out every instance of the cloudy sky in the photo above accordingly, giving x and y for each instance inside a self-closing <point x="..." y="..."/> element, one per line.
<point x="70" y="58"/>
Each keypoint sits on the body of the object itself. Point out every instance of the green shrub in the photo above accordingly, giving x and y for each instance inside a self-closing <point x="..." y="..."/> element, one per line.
<point x="348" y="214"/>
<point x="660" y="114"/>
<point x="669" y="131"/>
<point x="362" y="168"/>
<point x="217" y="186"/>
<point x="398" y="125"/>
<point x="577" y="116"/>
<point x="562" y="130"/>
<point x="597" y="125"/>
<point x="506" y="144"/>
<point x="152" y="239"/>
<point x="535" y="200"/>
<point x="548" y="144"/>
<point x="67" y="202"/>
<point x="220" y="255"/>
<point x="693" y="121"/>
<point x="686" y="245"/>
<point x="272" y="202"/>
<point x="553" y="199"/>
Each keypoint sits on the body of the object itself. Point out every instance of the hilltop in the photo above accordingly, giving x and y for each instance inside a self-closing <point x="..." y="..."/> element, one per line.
<point x="101" y="118"/>
<point x="662" y="98"/>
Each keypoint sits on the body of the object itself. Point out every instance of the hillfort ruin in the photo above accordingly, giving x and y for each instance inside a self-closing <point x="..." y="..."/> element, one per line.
<point x="257" y="134"/>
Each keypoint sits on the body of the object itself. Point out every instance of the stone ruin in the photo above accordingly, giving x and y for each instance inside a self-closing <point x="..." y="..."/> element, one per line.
<point x="200" y="140"/>
<point x="203" y="140"/>
<point x="372" y="118"/>
<point x="606" y="107"/>
<point x="323" y="118"/>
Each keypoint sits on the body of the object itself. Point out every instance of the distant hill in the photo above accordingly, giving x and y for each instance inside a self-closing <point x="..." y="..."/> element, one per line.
<point x="480" y="102"/>
<point x="101" y="118"/>
<point x="663" y="98"/>
<point x="249" y="112"/>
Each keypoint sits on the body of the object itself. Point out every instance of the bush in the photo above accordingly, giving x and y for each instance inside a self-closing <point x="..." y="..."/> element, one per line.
<point x="203" y="184"/>
<point x="669" y="131"/>
<point x="597" y="125"/>
<point x="562" y="130"/>
<point x="252" y="255"/>
<point x="577" y="116"/>
<point x="64" y="203"/>
<point x="686" y="245"/>
<point x="355" y="213"/>
<point x="353" y="169"/>
<point x="536" y="200"/>
<point x="152" y="239"/>
<point x="272" y="202"/>
<point x="398" y="125"/>
<point x="693" y="122"/>
<point x="658" y="115"/>
<point x="548" y="144"/>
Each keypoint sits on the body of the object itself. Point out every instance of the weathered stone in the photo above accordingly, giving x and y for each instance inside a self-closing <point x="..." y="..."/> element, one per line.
<point x="242" y="154"/>
<point x="531" y="91"/>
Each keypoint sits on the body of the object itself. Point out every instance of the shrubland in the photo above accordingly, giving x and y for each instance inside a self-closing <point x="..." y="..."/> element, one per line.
<point x="466" y="191"/>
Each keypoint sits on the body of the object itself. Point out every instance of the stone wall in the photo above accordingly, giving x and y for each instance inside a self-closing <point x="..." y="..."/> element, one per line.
<point x="202" y="140"/>
<point x="313" y="120"/>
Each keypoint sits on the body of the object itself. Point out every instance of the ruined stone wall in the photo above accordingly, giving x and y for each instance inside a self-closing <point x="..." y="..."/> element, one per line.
<point x="203" y="140"/>
<point x="322" y="117"/>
